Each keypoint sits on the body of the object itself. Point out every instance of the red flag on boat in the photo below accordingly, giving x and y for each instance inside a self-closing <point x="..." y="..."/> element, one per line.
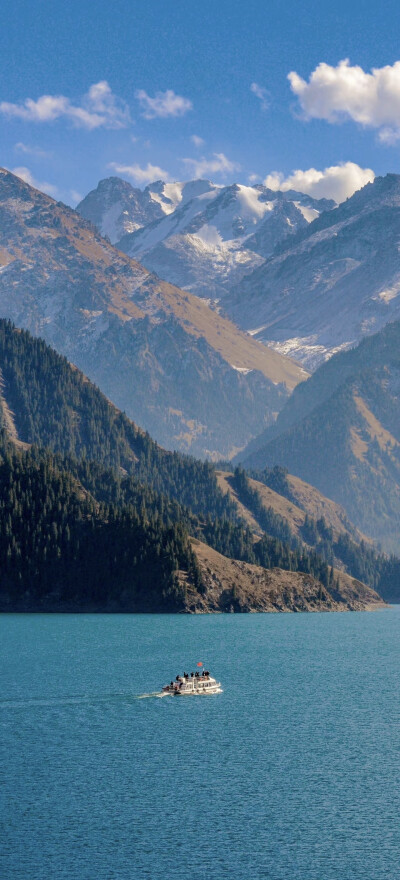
<point x="199" y="664"/>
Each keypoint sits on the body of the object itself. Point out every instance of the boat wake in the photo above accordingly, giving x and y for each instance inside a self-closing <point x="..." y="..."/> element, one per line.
<point x="78" y="700"/>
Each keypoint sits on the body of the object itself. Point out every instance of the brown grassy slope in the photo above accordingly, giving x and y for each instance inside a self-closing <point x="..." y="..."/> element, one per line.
<point x="60" y="242"/>
<point x="236" y="347"/>
<point x="238" y="586"/>
<point x="310" y="501"/>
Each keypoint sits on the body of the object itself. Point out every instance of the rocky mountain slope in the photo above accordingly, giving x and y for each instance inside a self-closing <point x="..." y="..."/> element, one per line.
<point x="117" y="208"/>
<point x="213" y="235"/>
<point x="337" y="281"/>
<point x="342" y="434"/>
<point x="105" y="532"/>
<point x="183" y="372"/>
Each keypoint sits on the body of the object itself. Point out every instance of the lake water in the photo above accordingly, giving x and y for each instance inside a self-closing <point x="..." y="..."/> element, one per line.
<point x="293" y="773"/>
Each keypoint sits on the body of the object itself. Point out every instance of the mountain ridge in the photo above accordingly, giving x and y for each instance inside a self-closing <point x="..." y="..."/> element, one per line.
<point x="213" y="235"/>
<point x="183" y="372"/>
<point x="335" y="282"/>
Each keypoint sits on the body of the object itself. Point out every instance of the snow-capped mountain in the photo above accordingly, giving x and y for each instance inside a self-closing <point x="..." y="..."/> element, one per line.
<point x="338" y="281"/>
<point x="116" y="208"/>
<point x="210" y="242"/>
<point x="208" y="237"/>
<point x="185" y="373"/>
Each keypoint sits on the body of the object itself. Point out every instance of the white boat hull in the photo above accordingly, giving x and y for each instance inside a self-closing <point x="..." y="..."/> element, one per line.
<point x="198" y="686"/>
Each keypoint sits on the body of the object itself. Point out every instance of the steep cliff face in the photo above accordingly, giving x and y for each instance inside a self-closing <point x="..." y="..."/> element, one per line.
<point x="337" y="281"/>
<point x="179" y="369"/>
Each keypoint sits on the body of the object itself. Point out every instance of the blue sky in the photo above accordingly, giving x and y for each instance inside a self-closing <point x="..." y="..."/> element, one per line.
<point x="198" y="88"/>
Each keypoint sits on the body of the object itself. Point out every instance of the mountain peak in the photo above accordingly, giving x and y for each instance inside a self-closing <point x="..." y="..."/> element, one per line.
<point x="183" y="371"/>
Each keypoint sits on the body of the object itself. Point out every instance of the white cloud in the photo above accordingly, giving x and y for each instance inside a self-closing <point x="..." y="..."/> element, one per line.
<point x="337" y="182"/>
<point x="219" y="164"/>
<point x="26" y="175"/>
<point x="32" y="151"/>
<point x="141" y="175"/>
<point x="262" y="94"/>
<point x="197" y="141"/>
<point x="76" y="197"/>
<point x="99" y="107"/>
<point x="164" y="104"/>
<point x="348" y="92"/>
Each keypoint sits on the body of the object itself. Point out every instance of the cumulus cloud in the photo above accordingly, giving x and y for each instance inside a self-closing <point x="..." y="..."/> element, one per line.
<point x="26" y="175"/>
<point x="262" y="94"/>
<point x="164" y="104"/>
<point x="337" y="182"/>
<point x="197" y="141"/>
<point x="141" y="175"/>
<point x="98" y="108"/>
<point x="218" y="164"/>
<point x="348" y="92"/>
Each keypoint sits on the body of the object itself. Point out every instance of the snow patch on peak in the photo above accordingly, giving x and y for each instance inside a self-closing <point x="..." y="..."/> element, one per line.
<point x="251" y="202"/>
<point x="209" y="235"/>
<point x="309" y="214"/>
<point x="390" y="292"/>
<point x="167" y="195"/>
<point x="171" y="196"/>
<point x="111" y="225"/>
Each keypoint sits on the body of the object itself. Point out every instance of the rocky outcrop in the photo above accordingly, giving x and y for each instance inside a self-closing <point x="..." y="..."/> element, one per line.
<point x="234" y="586"/>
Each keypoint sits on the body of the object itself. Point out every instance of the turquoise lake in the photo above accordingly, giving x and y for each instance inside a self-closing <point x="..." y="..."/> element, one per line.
<point x="293" y="773"/>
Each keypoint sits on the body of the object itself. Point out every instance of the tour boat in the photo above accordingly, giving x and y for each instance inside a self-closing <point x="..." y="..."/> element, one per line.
<point x="194" y="684"/>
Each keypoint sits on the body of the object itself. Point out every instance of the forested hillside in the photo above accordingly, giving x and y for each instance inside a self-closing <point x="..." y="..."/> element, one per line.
<point x="53" y="404"/>
<point x="102" y="518"/>
<point x="60" y="549"/>
<point x="326" y="548"/>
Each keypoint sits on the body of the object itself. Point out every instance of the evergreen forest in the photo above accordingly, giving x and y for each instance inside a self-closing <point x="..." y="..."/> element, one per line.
<point x="95" y="515"/>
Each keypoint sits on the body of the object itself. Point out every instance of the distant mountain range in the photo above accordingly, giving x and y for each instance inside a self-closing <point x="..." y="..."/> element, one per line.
<point x="340" y="431"/>
<point x="305" y="276"/>
<point x="198" y="235"/>
<point x="186" y="374"/>
<point x="337" y="281"/>
<point x="117" y="208"/>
